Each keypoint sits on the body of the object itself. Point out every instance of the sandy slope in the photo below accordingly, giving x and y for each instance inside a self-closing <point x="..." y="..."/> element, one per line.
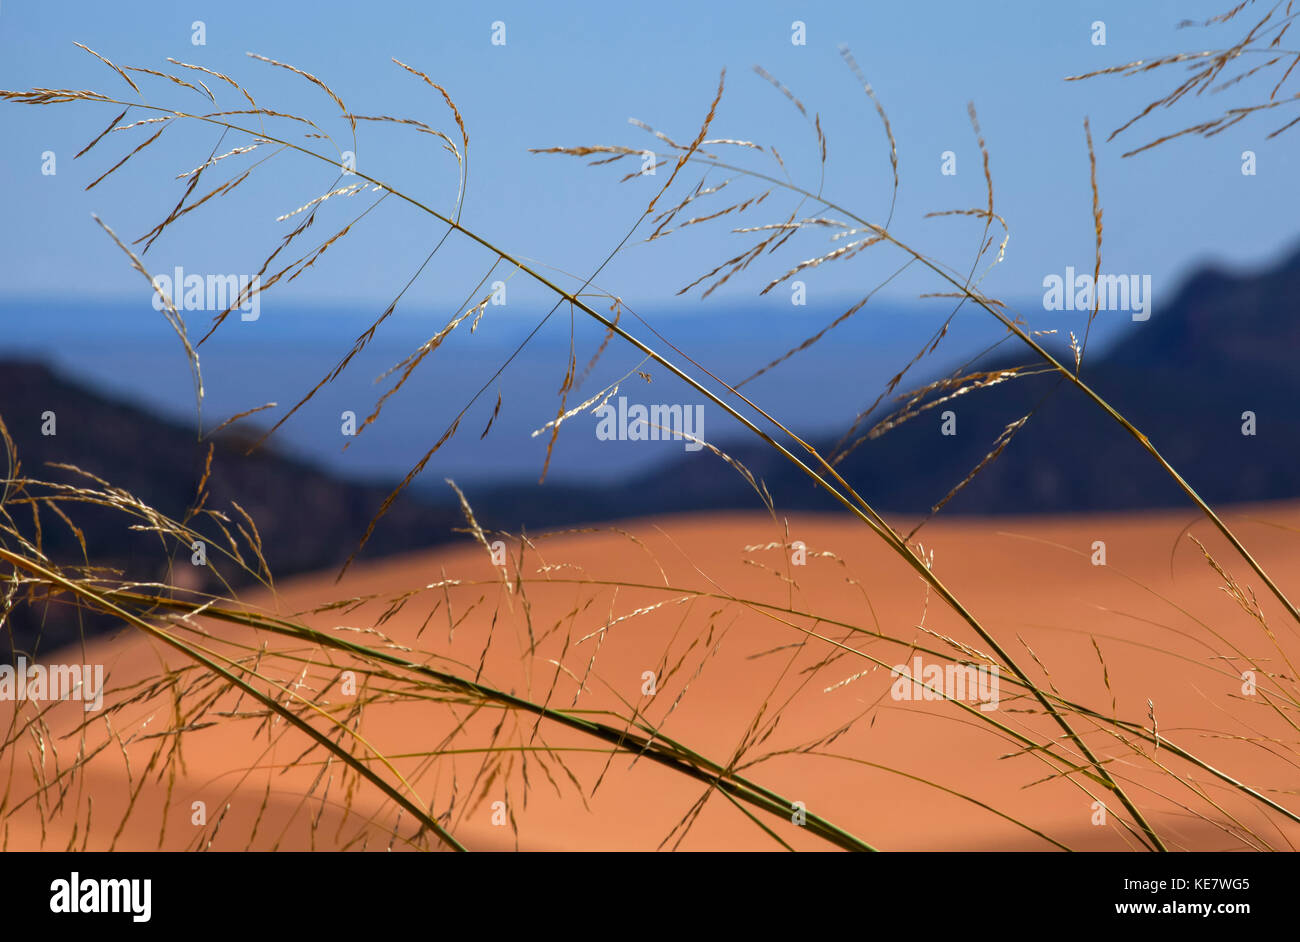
<point x="1166" y="630"/>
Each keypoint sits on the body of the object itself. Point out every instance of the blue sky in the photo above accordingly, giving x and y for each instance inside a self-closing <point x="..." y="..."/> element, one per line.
<point x="574" y="73"/>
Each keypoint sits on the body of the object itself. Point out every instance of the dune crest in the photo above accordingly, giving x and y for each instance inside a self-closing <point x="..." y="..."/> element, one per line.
<point x="766" y="652"/>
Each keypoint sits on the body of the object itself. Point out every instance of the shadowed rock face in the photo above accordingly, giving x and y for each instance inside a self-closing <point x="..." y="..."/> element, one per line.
<point x="307" y="519"/>
<point x="1225" y="345"/>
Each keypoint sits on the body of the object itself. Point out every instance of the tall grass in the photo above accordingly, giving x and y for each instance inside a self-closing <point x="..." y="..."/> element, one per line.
<point x="287" y="668"/>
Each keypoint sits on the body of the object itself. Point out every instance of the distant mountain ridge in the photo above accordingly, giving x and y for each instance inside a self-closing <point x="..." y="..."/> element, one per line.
<point x="1225" y="345"/>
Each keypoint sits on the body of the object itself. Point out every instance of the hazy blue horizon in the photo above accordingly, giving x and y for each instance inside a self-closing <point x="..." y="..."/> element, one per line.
<point x="818" y="390"/>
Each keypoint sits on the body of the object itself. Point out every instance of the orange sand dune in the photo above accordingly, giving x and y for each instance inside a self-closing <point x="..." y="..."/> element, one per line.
<point x="1174" y="646"/>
